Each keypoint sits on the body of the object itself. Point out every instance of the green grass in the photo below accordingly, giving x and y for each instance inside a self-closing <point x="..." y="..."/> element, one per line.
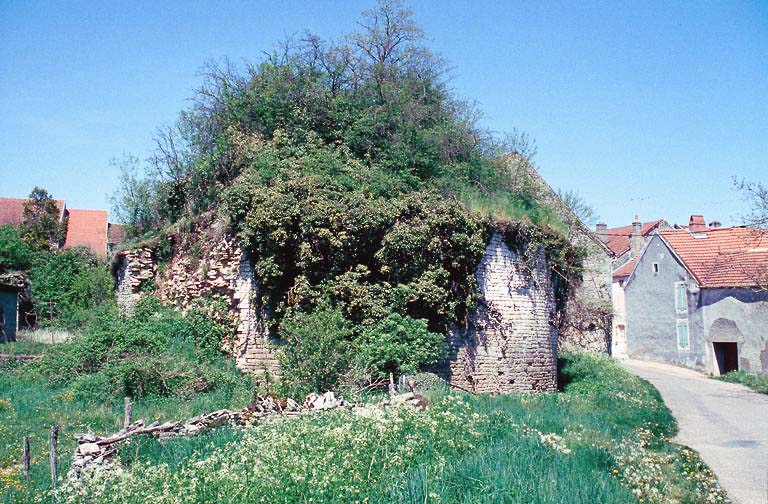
<point x="604" y="439"/>
<point x="29" y="406"/>
<point x="755" y="382"/>
<point x="22" y="348"/>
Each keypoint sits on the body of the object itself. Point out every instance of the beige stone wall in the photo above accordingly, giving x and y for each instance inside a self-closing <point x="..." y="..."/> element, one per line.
<point x="133" y="268"/>
<point x="223" y="271"/>
<point x="585" y="324"/>
<point x="510" y="343"/>
<point x="587" y="320"/>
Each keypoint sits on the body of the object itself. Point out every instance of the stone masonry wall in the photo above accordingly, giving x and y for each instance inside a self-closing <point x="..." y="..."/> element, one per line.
<point x="133" y="268"/>
<point x="589" y="312"/>
<point x="510" y="343"/>
<point x="223" y="271"/>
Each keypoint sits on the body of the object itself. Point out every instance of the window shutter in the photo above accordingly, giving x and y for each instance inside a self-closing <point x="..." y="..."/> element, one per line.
<point x="681" y="298"/>
<point x="682" y="334"/>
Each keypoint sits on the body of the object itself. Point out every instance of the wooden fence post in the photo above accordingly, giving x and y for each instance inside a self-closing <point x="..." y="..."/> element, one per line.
<point x="128" y="408"/>
<point x="54" y="458"/>
<point x="27" y="457"/>
<point x="50" y="315"/>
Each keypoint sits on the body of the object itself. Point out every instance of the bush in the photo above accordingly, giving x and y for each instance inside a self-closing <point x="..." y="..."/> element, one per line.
<point x="72" y="282"/>
<point x="316" y="349"/>
<point x="15" y="254"/>
<point x="399" y="345"/>
<point x="157" y="351"/>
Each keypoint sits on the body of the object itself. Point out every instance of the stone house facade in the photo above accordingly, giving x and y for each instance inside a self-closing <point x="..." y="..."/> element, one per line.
<point x="626" y="243"/>
<point x="699" y="298"/>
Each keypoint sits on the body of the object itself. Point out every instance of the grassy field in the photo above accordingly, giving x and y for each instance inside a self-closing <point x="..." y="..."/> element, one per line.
<point x="604" y="439"/>
<point x="29" y="406"/>
<point x="757" y="383"/>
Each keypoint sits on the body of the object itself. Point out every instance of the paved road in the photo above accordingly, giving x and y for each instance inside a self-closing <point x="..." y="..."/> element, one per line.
<point x="725" y="422"/>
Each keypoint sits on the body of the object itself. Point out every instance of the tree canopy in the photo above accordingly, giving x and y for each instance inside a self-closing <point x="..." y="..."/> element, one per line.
<point x="377" y="102"/>
<point x="42" y="227"/>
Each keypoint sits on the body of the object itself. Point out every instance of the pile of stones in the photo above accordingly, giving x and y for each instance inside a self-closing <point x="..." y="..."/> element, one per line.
<point x="96" y="453"/>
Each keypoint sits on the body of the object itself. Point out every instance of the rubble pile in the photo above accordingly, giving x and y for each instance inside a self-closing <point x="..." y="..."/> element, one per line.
<point x="96" y="453"/>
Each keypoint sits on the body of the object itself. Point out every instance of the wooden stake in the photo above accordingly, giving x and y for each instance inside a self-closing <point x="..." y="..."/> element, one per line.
<point x="54" y="457"/>
<point x="26" y="460"/>
<point x="128" y="408"/>
<point x="391" y="385"/>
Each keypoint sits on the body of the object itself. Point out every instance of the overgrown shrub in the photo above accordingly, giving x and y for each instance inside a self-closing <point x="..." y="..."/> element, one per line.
<point x="355" y="179"/>
<point x="316" y="349"/>
<point x="70" y="283"/>
<point x="399" y="345"/>
<point x="15" y="253"/>
<point x="157" y="351"/>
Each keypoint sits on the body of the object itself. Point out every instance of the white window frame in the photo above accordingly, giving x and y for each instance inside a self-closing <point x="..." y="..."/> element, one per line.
<point x="681" y="310"/>
<point x="680" y="323"/>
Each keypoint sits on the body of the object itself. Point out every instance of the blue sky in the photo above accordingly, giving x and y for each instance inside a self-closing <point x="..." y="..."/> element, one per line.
<point x="642" y="107"/>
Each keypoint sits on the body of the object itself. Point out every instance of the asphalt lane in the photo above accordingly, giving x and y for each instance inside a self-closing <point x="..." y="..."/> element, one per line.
<point x="726" y="423"/>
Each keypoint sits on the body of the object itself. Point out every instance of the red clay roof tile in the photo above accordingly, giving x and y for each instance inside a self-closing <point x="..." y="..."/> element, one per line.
<point x="625" y="269"/>
<point x="618" y="238"/>
<point x="722" y="257"/>
<point x="87" y="228"/>
<point x="12" y="210"/>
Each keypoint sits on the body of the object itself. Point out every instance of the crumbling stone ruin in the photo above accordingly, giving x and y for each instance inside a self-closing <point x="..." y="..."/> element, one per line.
<point x="508" y="344"/>
<point x="223" y="271"/>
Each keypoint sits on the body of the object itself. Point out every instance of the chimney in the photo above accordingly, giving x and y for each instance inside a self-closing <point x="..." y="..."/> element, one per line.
<point x="697" y="224"/>
<point x="601" y="230"/>
<point x="636" y="240"/>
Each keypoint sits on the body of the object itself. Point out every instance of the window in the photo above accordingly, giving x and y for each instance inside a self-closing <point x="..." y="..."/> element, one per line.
<point x="682" y="334"/>
<point x="655" y="268"/>
<point x="681" y="297"/>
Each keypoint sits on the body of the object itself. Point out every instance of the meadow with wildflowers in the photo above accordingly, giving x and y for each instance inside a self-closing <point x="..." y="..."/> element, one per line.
<point x="604" y="438"/>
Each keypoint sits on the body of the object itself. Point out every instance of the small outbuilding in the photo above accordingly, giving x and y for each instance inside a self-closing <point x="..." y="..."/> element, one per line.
<point x="9" y="312"/>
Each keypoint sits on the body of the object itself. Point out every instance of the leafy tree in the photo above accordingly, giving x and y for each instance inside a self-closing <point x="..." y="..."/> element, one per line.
<point x="399" y="345"/>
<point x="72" y="283"/>
<point x="316" y="350"/>
<point x="579" y="207"/>
<point x="133" y="200"/>
<point x="15" y="253"/>
<point x="41" y="227"/>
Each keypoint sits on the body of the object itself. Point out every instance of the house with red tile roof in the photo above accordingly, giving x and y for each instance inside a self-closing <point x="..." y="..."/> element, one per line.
<point x="85" y="228"/>
<point x="626" y="243"/>
<point x="12" y="210"/>
<point x="698" y="296"/>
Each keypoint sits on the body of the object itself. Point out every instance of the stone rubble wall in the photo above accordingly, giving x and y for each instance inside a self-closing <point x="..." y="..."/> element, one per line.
<point x="589" y="312"/>
<point x="133" y="269"/>
<point x="509" y="345"/>
<point x="223" y="271"/>
<point x="510" y="342"/>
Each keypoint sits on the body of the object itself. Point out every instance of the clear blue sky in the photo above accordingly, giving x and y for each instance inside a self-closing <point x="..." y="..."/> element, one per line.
<point x="642" y="107"/>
